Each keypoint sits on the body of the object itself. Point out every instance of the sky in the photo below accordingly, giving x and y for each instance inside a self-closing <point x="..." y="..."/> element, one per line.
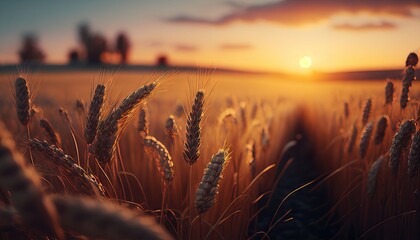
<point x="263" y="35"/>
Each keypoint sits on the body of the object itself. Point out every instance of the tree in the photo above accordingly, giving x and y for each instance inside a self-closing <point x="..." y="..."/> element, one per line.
<point x="74" y="56"/>
<point x="31" y="52"/>
<point x="162" y="61"/>
<point x="94" y="44"/>
<point x="123" y="47"/>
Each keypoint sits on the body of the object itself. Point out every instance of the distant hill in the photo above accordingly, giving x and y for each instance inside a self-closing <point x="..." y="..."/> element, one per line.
<point x="350" y="75"/>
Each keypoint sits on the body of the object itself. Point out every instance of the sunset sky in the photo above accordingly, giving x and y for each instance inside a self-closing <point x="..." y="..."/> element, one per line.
<point x="264" y="35"/>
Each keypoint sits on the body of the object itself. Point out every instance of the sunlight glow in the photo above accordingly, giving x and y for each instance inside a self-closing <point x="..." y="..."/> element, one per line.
<point x="305" y="62"/>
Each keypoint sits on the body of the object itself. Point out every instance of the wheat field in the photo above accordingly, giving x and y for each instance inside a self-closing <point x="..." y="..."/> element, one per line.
<point x="196" y="155"/>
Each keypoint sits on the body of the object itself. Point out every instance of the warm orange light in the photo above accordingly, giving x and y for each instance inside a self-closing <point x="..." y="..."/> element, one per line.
<point x="305" y="62"/>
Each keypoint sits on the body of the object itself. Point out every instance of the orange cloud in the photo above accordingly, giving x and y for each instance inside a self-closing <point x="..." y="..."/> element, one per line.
<point x="301" y="12"/>
<point x="185" y="48"/>
<point x="232" y="46"/>
<point x="364" y="27"/>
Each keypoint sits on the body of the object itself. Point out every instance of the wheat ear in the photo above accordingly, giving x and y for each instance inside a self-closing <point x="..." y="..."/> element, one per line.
<point x="400" y="142"/>
<point x="103" y="220"/>
<point x="34" y="208"/>
<point x="110" y="128"/>
<point x="209" y="185"/>
<point x="57" y="159"/>
<point x="193" y="135"/>
<point x="94" y="114"/>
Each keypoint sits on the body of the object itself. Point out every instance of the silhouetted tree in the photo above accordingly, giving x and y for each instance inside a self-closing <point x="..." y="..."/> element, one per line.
<point x="74" y="56"/>
<point x="123" y="47"/>
<point x="162" y="61"/>
<point x="31" y="52"/>
<point x="94" y="44"/>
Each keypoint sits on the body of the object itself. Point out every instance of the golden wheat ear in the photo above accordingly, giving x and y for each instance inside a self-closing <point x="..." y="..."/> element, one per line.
<point x="66" y="165"/>
<point x="209" y="185"/>
<point x="23" y="97"/>
<point x="365" y="139"/>
<point x="109" y="129"/>
<point x="160" y="154"/>
<point x="52" y="136"/>
<point x="389" y="92"/>
<point x="143" y="122"/>
<point x="193" y="135"/>
<point x="33" y="207"/>
<point x="103" y="220"/>
<point x="381" y="127"/>
<point x="414" y="156"/>
<point x="366" y="111"/>
<point x="373" y="176"/>
<point x="400" y="143"/>
<point x="94" y="114"/>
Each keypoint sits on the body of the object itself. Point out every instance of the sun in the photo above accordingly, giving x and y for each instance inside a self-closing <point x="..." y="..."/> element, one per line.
<point x="305" y="62"/>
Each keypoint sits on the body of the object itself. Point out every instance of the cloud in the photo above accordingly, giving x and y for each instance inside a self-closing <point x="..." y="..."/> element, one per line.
<point x="185" y="48"/>
<point x="233" y="46"/>
<point x="302" y="12"/>
<point x="365" y="27"/>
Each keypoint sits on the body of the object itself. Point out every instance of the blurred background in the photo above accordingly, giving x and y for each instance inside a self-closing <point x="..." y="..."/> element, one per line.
<point x="297" y="37"/>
